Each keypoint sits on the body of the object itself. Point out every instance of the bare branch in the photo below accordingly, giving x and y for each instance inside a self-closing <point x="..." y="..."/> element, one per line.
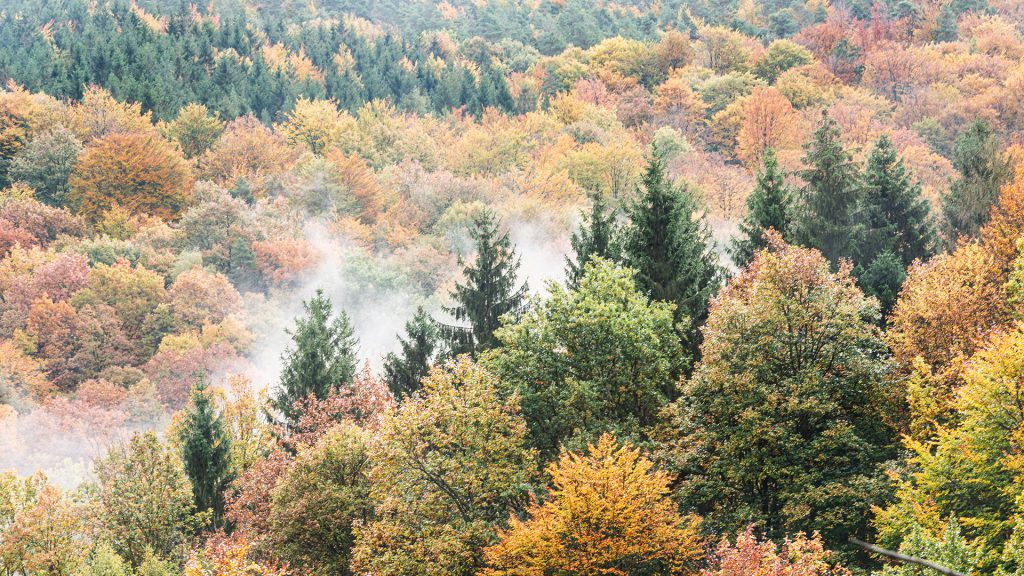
<point x="904" y="558"/>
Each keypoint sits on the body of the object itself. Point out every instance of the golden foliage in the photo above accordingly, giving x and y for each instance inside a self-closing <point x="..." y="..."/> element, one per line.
<point x="609" y="514"/>
<point x="139" y="172"/>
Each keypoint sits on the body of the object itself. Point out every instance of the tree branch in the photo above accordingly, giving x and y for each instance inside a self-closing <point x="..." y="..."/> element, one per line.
<point x="906" y="559"/>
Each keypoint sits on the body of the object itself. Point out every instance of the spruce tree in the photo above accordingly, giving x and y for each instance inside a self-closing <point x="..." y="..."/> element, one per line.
<point x="206" y="453"/>
<point x="597" y="237"/>
<point x="403" y="372"/>
<point x="829" y="218"/>
<point x="489" y="291"/>
<point x="322" y="359"/>
<point x="983" y="172"/>
<point x="670" y="248"/>
<point x="770" y="205"/>
<point x="898" y="217"/>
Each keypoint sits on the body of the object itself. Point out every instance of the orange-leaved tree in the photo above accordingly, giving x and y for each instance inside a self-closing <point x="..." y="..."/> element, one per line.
<point x="141" y="173"/>
<point x="609" y="514"/>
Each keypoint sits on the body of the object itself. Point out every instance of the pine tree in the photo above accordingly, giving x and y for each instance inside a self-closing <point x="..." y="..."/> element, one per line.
<point x="671" y="248"/>
<point x="828" y="215"/>
<point x="770" y="205"/>
<point x="897" y="215"/>
<point x="404" y="372"/>
<point x="323" y="357"/>
<point x="206" y="453"/>
<point x="598" y="237"/>
<point x="983" y="172"/>
<point x="489" y="291"/>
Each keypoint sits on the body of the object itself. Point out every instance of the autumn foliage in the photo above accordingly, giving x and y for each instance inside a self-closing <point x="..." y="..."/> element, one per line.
<point x="608" y="513"/>
<point x="138" y="172"/>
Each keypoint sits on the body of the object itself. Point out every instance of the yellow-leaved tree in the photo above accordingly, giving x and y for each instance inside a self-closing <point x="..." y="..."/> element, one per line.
<point x="609" y="514"/>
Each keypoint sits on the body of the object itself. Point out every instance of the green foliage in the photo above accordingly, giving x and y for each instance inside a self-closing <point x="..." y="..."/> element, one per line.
<point x="983" y="172"/>
<point x="206" y="452"/>
<point x="769" y="206"/>
<point x="972" y="469"/>
<point x="950" y="549"/>
<point x="781" y="56"/>
<point x="322" y="494"/>
<point x="828" y="217"/>
<point x="404" y="372"/>
<point x="898" y="217"/>
<point x="882" y="278"/>
<point x="105" y="561"/>
<point x="671" y="248"/>
<point x="322" y="359"/>
<point x="489" y="290"/>
<point x="598" y="237"/>
<point x="785" y="421"/>
<point x="193" y="60"/>
<point x="45" y="164"/>
<point x="599" y="358"/>
<point x="144" y="502"/>
<point x="153" y="565"/>
<point x="448" y="466"/>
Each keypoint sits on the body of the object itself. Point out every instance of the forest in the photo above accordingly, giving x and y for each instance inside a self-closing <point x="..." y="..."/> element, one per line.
<point x="511" y="287"/>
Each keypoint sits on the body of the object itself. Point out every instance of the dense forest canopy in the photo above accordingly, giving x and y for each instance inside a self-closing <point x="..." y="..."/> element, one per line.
<point x="511" y="287"/>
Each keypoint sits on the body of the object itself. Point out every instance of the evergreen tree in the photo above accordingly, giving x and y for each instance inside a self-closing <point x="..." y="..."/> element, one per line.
<point x="897" y="215"/>
<point x="598" y="237"/>
<point x="489" y="291"/>
<point x="322" y="359"/>
<point x="983" y="172"/>
<point x="206" y="453"/>
<point x="829" y="218"/>
<point x="243" y="270"/>
<point x="769" y="206"/>
<point x="404" y="372"/>
<point x="671" y="248"/>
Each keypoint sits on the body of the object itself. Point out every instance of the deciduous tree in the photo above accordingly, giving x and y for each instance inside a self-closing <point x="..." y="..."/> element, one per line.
<point x="448" y="467"/>
<point x="789" y="416"/>
<point x="138" y="172"/>
<point x="608" y="513"/>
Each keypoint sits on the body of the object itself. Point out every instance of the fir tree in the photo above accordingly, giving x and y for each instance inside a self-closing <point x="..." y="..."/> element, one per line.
<point x="206" y="453"/>
<point x="983" y="172"/>
<point x="597" y="237"/>
<point x="404" y="372"/>
<point x="671" y="248"/>
<point x="489" y="291"/>
<point x="769" y="206"/>
<point x="829" y="218"/>
<point x="322" y="359"/>
<point x="897" y="215"/>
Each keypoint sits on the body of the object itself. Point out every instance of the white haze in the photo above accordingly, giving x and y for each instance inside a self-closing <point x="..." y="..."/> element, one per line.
<point x="39" y="440"/>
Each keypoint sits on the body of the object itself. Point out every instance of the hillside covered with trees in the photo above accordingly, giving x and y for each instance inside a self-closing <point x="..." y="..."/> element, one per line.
<point x="511" y="288"/>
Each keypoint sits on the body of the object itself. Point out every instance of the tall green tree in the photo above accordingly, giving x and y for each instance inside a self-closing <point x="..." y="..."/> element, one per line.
<point x="598" y="358"/>
<point x="786" y="420"/>
<point x="598" y="237"/>
<point x="898" y="217"/>
<point x="403" y="372"/>
<point x="769" y="206"/>
<point x="829" y="218"/>
<point x="983" y="172"/>
<point x="488" y="292"/>
<point x="206" y="453"/>
<point x="671" y="248"/>
<point x="322" y="358"/>
<point x="898" y="228"/>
